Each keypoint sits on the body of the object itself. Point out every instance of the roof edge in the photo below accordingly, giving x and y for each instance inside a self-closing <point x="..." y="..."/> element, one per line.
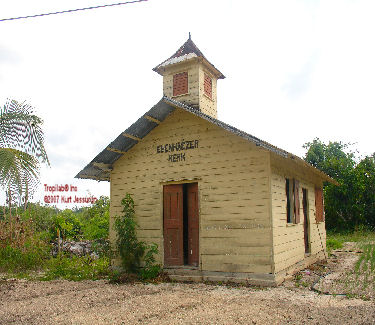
<point x="99" y="167"/>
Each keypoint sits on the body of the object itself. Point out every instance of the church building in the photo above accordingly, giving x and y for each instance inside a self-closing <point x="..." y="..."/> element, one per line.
<point x="221" y="204"/>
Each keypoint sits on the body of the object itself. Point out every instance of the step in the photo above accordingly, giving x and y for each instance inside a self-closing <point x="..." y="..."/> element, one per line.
<point x="183" y="271"/>
<point x="186" y="278"/>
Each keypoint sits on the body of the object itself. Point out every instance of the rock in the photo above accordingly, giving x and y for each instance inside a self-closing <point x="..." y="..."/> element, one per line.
<point x="76" y="249"/>
<point x="79" y="248"/>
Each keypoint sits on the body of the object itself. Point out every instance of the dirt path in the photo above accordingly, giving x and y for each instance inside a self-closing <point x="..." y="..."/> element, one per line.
<point x="97" y="302"/>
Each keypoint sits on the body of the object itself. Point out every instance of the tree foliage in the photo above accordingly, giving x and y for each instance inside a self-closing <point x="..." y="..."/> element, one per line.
<point x="95" y="219"/>
<point x="85" y="223"/>
<point x="352" y="203"/>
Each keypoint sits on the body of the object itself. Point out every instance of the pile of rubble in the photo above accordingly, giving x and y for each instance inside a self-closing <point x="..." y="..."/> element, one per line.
<point x="78" y="248"/>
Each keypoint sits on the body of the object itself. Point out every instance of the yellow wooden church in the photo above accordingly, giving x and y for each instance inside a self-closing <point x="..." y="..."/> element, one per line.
<point x="221" y="204"/>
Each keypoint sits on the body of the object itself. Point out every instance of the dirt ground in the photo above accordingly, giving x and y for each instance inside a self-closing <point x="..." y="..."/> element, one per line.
<point x="98" y="302"/>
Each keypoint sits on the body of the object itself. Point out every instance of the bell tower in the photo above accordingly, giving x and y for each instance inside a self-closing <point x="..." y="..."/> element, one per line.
<point x="190" y="78"/>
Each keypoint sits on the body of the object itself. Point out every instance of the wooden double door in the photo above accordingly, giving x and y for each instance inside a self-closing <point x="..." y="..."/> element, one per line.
<point x="181" y="224"/>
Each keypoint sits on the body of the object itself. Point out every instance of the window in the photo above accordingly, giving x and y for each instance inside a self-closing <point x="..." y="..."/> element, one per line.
<point x="292" y="200"/>
<point x="180" y="84"/>
<point x="319" y="205"/>
<point x="207" y="85"/>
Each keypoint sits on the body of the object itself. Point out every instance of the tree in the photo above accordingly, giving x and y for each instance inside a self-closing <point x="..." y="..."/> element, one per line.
<point x="21" y="150"/>
<point x="365" y="172"/>
<point x="96" y="219"/>
<point x="352" y="203"/>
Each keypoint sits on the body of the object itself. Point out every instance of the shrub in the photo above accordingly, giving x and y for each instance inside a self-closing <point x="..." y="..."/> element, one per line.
<point x="150" y="270"/>
<point x="68" y="224"/>
<point x="96" y="220"/>
<point x="130" y="249"/>
<point x="96" y="228"/>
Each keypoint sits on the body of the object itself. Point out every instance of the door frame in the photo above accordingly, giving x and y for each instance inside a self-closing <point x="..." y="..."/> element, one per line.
<point x="161" y="200"/>
<point x="306" y="218"/>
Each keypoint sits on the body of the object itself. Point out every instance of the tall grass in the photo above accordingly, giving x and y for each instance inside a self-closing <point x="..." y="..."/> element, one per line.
<point x="336" y="240"/>
<point x="76" y="268"/>
<point x="21" y="248"/>
<point x="361" y="234"/>
<point x="365" y="265"/>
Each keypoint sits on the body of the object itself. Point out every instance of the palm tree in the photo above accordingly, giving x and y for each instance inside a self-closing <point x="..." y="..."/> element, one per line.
<point x="21" y="150"/>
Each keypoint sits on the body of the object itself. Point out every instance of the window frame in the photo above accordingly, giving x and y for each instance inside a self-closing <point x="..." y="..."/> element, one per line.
<point x="292" y="201"/>
<point x="206" y="75"/>
<point x="174" y="82"/>
<point x="319" y="205"/>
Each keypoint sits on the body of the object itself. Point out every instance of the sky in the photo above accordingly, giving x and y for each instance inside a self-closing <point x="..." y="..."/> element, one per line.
<point x="295" y="70"/>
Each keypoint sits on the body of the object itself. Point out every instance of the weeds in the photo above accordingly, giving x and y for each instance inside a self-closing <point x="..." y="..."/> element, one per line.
<point x="333" y="243"/>
<point x="359" y="281"/>
<point x="20" y="248"/>
<point x="76" y="268"/>
<point x="359" y="235"/>
<point x="29" y="257"/>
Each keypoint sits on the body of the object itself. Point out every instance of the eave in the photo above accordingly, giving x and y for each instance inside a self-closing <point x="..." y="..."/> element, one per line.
<point x="99" y="168"/>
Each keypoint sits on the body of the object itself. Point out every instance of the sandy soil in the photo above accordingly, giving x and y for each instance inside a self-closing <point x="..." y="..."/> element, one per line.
<point x="97" y="302"/>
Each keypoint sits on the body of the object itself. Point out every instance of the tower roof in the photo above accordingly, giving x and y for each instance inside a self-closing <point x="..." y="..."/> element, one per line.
<point x="187" y="51"/>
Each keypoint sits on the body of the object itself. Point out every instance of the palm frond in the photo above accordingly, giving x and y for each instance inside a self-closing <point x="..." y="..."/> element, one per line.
<point x="21" y="129"/>
<point x="19" y="171"/>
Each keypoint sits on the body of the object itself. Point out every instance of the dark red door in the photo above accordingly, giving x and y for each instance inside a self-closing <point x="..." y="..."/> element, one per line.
<point x="173" y="225"/>
<point x="193" y="224"/>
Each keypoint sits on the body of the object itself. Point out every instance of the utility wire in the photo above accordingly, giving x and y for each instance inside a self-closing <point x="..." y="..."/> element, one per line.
<point x="72" y="10"/>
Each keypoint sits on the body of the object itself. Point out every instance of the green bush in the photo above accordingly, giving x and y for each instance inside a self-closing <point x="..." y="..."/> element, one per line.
<point x="150" y="270"/>
<point x="95" y="220"/>
<point x="96" y="228"/>
<point x="68" y="224"/>
<point x="131" y="250"/>
<point x="42" y="216"/>
<point x="76" y="268"/>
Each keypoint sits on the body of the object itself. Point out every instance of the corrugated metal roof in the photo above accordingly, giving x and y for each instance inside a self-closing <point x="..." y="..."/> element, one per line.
<point x="99" y="168"/>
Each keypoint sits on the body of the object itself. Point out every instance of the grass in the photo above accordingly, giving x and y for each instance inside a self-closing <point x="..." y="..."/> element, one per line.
<point x="336" y="240"/>
<point x="34" y="261"/>
<point x="333" y="243"/>
<point x="360" y="280"/>
<point x="29" y="257"/>
<point x="76" y="268"/>
<point x="361" y="235"/>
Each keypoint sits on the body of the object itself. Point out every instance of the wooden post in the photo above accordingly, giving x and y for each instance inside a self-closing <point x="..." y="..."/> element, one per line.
<point x="10" y="211"/>
<point x="58" y="240"/>
<point x="26" y="195"/>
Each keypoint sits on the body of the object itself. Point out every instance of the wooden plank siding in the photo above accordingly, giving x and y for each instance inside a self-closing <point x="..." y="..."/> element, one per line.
<point x="288" y="239"/>
<point x="195" y="93"/>
<point x="235" y="232"/>
<point x="193" y="82"/>
<point x="209" y="104"/>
